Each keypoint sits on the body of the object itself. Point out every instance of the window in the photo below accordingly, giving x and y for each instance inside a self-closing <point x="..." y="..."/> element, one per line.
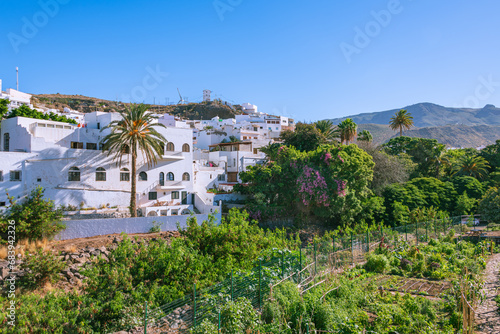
<point x="125" y="149"/>
<point x="153" y="195"/>
<point x="74" y="174"/>
<point x="98" y="125"/>
<point x="1" y="176"/>
<point x="175" y="195"/>
<point x="124" y="174"/>
<point x="185" y="177"/>
<point x="162" y="179"/>
<point x="2" y="203"/>
<point x="170" y="176"/>
<point x="101" y="146"/>
<point x="76" y="145"/>
<point x="39" y="180"/>
<point x="100" y="174"/>
<point x="185" y="148"/>
<point x="221" y="177"/>
<point x="15" y="175"/>
<point x="170" y="147"/>
<point x="6" y="142"/>
<point x="91" y="146"/>
<point x="143" y="176"/>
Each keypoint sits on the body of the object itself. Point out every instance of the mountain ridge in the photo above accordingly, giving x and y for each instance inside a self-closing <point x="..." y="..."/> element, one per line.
<point x="428" y="114"/>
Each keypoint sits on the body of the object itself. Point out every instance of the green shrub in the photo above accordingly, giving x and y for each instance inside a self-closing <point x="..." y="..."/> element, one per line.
<point x="41" y="267"/>
<point x="377" y="263"/>
<point x="36" y="218"/>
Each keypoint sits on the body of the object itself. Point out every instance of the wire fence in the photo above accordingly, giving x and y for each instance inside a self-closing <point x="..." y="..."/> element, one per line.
<point x="306" y="267"/>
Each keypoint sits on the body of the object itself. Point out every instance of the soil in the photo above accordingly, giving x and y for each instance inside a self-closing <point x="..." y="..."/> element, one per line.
<point x="488" y="315"/>
<point x="106" y="240"/>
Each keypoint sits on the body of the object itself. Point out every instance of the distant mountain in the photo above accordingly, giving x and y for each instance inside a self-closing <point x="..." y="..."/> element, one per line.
<point x="450" y="135"/>
<point x="429" y="114"/>
<point x="455" y="127"/>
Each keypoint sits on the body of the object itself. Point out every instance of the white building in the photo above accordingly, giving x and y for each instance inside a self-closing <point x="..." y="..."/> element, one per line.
<point x="15" y="97"/>
<point x="67" y="161"/>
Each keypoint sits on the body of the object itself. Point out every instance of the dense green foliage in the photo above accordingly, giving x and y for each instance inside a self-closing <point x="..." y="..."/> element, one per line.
<point x="489" y="207"/>
<point x="159" y="272"/>
<point x="36" y="218"/>
<point x="4" y="109"/>
<point x="439" y="259"/>
<point x="306" y="137"/>
<point x="25" y="111"/>
<point x="330" y="182"/>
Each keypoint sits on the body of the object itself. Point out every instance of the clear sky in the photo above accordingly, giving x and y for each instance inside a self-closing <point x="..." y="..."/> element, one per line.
<point x="306" y="59"/>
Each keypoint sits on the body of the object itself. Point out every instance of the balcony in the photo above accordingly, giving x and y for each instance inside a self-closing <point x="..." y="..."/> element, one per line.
<point x="170" y="185"/>
<point x="172" y="156"/>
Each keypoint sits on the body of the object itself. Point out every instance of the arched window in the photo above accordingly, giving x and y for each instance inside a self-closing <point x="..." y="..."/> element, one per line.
<point x="170" y="176"/>
<point x="185" y="177"/>
<point x="143" y="176"/>
<point x="162" y="179"/>
<point x="185" y="148"/>
<point x="74" y="174"/>
<point x="100" y="174"/>
<point x="170" y="147"/>
<point x="6" y="142"/>
<point x="162" y="145"/>
<point x="124" y="174"/>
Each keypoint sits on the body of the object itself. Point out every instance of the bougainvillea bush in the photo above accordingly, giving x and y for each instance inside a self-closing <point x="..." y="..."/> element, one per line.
<point x="330" y="182"/>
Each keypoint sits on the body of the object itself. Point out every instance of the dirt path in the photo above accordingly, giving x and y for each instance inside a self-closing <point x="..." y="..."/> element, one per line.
<point x="488" y="317"/>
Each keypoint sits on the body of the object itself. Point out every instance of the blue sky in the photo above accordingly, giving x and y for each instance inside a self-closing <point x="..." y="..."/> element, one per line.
<point x="306" y="59"/>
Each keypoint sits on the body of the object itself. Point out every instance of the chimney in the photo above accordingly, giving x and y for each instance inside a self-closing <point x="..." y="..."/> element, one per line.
<point x="0" y="86"/>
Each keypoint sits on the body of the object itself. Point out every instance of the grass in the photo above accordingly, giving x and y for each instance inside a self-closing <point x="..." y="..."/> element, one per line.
<point x="25" y="246"/>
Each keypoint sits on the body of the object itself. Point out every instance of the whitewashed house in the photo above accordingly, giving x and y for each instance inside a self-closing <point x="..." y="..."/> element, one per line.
<point x="67" y="161"/>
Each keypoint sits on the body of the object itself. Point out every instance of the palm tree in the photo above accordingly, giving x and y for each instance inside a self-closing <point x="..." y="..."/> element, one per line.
<point x="132" y="134"/>
<point x="348" y="130"/>
<point x="468" y="165"/>
<point x="401" y="120"/>
<point x="365" y="135"/>
<point x="329" y="131"/>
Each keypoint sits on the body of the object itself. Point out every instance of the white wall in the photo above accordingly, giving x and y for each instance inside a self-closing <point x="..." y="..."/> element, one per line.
<point x="93" y="227"/>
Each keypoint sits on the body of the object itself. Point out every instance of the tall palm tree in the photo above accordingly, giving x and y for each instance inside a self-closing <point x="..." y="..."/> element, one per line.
<point x="329" y="131"/>
<point x="365" y="135"/>
<point x="132" y="134"/>
<point x="401" y="120"/>
<point x="348" y="130"/>
<point x="469" y="165"/>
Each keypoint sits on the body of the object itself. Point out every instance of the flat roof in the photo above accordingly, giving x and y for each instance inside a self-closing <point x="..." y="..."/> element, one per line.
<point x="233" y="143"/>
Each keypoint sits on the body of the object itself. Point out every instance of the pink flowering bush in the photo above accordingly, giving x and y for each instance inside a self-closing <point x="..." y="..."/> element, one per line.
<point x="312" y="187"/>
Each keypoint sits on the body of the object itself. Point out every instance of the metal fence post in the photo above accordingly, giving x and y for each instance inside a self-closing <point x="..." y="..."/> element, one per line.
<point x="416" y="232"/>
<point x="300" y="264"/>
<point x="406" y="231"/>
<point x="426" y="231"/>
<point x="282" y="265"/>
<point x="352" y="248"/>
<point x="367" y="240"/>
<point x="219" y="326"/>
<point x="146" y="318"/>
<point x="260" y="283"/>
<point x="232" y="286"/>
<point x="315" y="259"/>
<point x="194" y="304"/>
